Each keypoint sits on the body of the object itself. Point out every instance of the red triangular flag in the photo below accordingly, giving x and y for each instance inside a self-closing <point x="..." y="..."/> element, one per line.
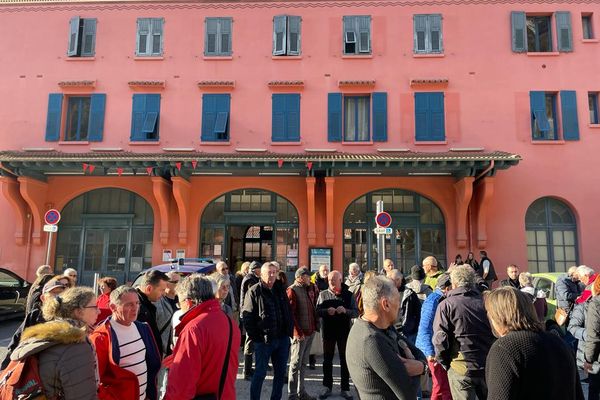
<point x="194" y="163"/>
<point x="280" y="163"/>
<point x="85" y="167"/>
<point x="149" y="170"/>
<point x="309" y="165"/>
<point x="178" y="165"/>
<point x="92" y="168"/>
<point x="119" y="171"/>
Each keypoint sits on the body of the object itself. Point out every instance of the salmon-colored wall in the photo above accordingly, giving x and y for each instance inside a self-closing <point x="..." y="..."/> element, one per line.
<point x="487" y="103"/>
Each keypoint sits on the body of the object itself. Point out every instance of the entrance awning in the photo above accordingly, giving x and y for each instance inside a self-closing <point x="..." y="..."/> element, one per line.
<point x="41" y="164"/>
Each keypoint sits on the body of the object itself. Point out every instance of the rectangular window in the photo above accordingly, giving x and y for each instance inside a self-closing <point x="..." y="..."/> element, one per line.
<point x="82" y="37"/>
<point x="217" y="36"/>
<point x="286" y="118"/>
<point x="149" y="37"/>
<point x="286" y="35"/>
<point x="428" y="33"/>
<point x="586" y="22"/>
<point x="593" y="106"/>
<point x="429" y="117"/>
<point x="539" y="34"/>
<point x="145" y="117"/>
<point x="543" y="116"/>
<point x="357" y="34"/>
<point x="84" y="119"/>
<point x="357" y="118"/>
<point x="215" y="117"/>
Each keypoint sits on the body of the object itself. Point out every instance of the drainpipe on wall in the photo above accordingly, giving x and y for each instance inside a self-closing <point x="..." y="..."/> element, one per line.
<point x="28" y="250"/>
<point x="3" y="168"/>
<point x="485" y="171"/>
<point x="469" y="215"/>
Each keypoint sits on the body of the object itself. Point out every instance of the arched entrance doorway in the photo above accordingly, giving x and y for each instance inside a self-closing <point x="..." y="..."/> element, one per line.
<point x="417" y="225"/>
<point x="105" y="231"/>
<point x="250" y="225"/>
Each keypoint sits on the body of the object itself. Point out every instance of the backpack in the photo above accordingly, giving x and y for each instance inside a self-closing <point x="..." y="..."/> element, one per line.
<point x="410" y="312"/>
<point x="21" y="380"/>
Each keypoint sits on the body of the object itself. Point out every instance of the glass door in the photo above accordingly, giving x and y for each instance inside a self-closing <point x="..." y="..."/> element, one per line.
<point x="106" y="251"/>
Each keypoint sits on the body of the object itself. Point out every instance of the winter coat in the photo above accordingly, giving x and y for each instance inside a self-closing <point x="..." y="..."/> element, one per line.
<point x="65" y="356"/>
<point x="431" y="280"/>
<point x="322" y="283"/>
<point x="33" y="318"/>
<point x="249" y="280"/>
<point x="354" y="285"/>
<point x="147" y="314"/>
<point x="462" y="334"/>
<point x="103" y="304"/>
<point x="266" y="313"/>
<point x="420" y="288"/>
<point x="198" y="357"/>
<point x="591" y="348"/>
<point x="115" y="381"/>
<point x="336" y="326"/>
<point x="510" y="282"/>
<point x="491" y="275"/>
<point x="566" y="291"/>
<point x="577" y="327"/>
<point x="425" y="333"/>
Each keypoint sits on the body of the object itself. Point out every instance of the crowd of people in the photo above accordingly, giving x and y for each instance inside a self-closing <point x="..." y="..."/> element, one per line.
<point x="438" y="333"/>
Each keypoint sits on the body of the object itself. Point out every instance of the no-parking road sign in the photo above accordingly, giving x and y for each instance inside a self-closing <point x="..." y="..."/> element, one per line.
<point x="52" y="217"/>
<point x="383" y="219"/>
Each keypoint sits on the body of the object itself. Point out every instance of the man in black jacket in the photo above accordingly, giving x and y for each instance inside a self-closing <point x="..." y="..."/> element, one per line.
<point x="336" y="306"/>
<point x="267" y="318"/>
<point x="251" y="279"/>
<point x="513" y="277"/>
<point x="151" y="288"/>
<point x="487" y="269"/>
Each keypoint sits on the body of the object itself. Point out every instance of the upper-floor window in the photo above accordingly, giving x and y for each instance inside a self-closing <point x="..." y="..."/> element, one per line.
<point x="352" y="118"/>
<point x="217" y="36"/>
<point x="429" y="116"/>
<point x="428" y="33"/>
<point x="593" y="106"/>
<point x="533" y="32"/>
<point x="84" y="119"/>
<point x="215" y="117"/>
<point x="545" y="112"/>
<point x="82" y="37"/>
<point x="286" y="118"/>
<point x="357" y="34"/>
<point x="145" y="117"/>
<point x="149" y="37"/>
<point x="586" y="22"/>
<point x="286" y="35"/>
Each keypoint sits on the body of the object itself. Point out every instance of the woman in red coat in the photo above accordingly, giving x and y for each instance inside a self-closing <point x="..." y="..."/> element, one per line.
<point x="106" y="285"/>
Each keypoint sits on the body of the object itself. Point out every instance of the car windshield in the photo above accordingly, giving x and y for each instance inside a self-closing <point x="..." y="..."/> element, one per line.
<point x="546" y="286"/>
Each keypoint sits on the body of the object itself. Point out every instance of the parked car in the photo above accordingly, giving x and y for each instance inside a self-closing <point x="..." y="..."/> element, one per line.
<point x="183" y="266"/>
<point x="546" y="281"/>
<point x="13" y="295"/>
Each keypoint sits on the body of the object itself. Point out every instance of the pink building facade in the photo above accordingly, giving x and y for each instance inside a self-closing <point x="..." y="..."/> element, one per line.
<point x="268" y="130"/>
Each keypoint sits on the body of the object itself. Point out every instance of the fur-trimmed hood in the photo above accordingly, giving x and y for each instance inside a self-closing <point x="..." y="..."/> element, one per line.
<point x="38" y="338"/>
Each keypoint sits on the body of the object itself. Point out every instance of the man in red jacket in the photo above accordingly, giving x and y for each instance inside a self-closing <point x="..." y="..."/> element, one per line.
<point x="201" y="349"/>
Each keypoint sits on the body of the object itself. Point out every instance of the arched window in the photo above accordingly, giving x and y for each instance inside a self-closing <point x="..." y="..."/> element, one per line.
<point x="551" y="236"/>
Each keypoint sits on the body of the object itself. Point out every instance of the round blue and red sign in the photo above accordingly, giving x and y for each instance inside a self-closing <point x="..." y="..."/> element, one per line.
<point x="52" y="217"/>
<point x="383" y="219"/>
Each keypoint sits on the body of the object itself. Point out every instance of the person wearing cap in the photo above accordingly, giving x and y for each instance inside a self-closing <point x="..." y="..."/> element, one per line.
<point x="251" y="279"/>
<point x="440" y="387"/>
<point x="302" y="295"/>
<point x="417" y="283"/>
<point x="51" y="289"/>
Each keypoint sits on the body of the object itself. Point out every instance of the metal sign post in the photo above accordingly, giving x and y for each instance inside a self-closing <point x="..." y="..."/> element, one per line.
<point x="48" y="248"/>
<point x="52" y="217"/>
<point x="380" y="241"/>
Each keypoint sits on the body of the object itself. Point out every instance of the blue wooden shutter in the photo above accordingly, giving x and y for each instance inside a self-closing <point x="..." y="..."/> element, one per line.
<point x="538" y="112"/>
<point x="334" y="117"/>
<point x="222" y="119"/>
<point x="570" y="122"/>
<point x="73" y="49"/>
<point x="519" y="38"/>
<point x="420" y="33"/>
<point x="279" y="35"/>
<point x="435" y="33"/>
<point x="138" y="116"/>
<point x="364" y="34"/>
<point x="209" y="116"/>
<point x="293" y="35"/>
<point x="53" y="117"/>
<point x="436" y="116"/>
<point x="278" y="124"/>
<point x="225" y="36"/>
<point x="97" y="110"/>
<point x="293" y="117"/>
<point x="152" y="117"/>
<point x="380" y="117"/>
<point x="88" y="43"/>
<point x="563" y="31"/>
<point x="421" y="116"/>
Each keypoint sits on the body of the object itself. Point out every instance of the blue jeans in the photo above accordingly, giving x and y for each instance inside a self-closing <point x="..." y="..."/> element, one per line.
<point x="278" y="351"/>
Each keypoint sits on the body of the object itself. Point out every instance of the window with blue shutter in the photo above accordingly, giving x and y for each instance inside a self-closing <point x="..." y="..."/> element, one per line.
<point x="543" y="115"/>
<point x="215" y="117"/>
<point x="357" y="118"/>
<point x="334" y="117"/>
<point x="82" y="37"/>
<point x="380" y="117"/>
<point x="519" y="35"/>
<point x="570" y="122"/>
<point x="587" y="26"/>
<point x="145" y="117"/>
<point x="357" y="34"/>
<point x="563" y="31"/>
<point x="286" y="35"/>
<point x="593" y="107"/>
<point x="427" y="33"/>
<point x="285" y="118"/>
<point x="97" y="111"/>
<point x="539" y="33"/>
<point x="217" y="36"/>
<point x="53" y="117"/>
<point x="429" y="117"/>
<point x="149" y="37"/>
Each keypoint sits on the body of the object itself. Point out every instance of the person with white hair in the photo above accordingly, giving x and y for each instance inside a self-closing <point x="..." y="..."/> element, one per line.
<point x="71" y="273"/>
<point x="354" y="279"/>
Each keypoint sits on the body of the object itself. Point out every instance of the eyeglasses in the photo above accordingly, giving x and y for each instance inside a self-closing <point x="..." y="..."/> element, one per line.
<point x="96" y="307"/>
